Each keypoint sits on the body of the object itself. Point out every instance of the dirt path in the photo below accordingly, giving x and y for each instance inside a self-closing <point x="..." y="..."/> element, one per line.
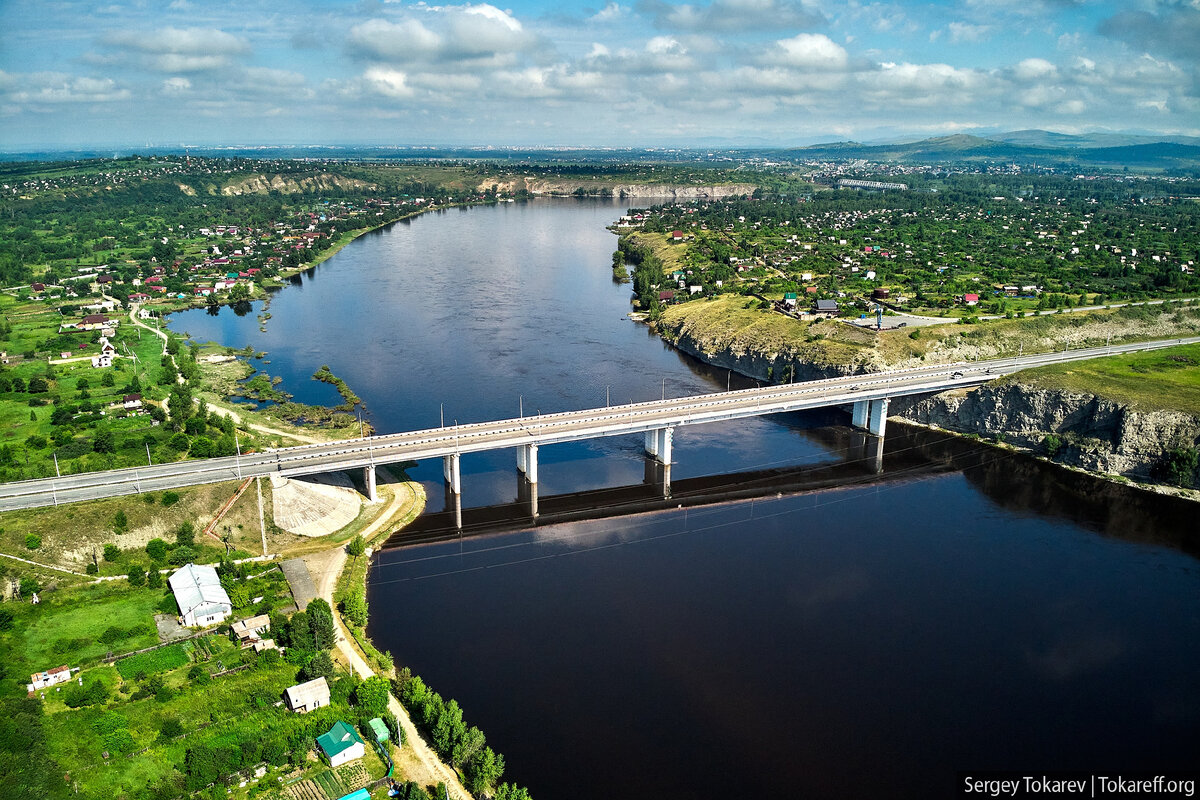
<point x="416" y="760"/>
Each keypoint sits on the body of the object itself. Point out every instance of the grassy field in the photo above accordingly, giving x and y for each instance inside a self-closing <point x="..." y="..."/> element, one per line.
<point x="70" y="534"/>
<point x="68" y="625"/>
<point x="1162" y="380"/>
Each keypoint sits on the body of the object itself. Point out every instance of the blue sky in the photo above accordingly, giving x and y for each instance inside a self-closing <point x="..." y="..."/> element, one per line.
<point x="610" y="73"/>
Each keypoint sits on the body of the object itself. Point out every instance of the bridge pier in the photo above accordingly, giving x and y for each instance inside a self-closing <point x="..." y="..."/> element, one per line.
<point x="870" y="415"/>
<point x="860" y="414"/>
<point x="658" y="444"/>
<point x="450" y="472"/>
<point x="879" y="413"/>
<point x="369" y="480"/>
<point x="527" y="462"/>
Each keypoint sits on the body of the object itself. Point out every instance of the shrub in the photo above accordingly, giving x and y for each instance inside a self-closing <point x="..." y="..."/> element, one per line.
<point x="170" y="498"/>
<point x="137" y="575"/>
<point x="91" y="568"/>
<point x="6" y="619"/>
<point x="111" y="552"/>
<point x="33" y="541"/>
<point x="157" y="549"/>
<point x="183" y="555"/>
<point x="170" y="728"/>
<point x="154" y="579"/>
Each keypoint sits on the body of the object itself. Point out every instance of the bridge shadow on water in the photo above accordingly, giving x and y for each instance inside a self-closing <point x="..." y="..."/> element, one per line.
<point x="1014" y="481"/>
<point x="867" y="460"/>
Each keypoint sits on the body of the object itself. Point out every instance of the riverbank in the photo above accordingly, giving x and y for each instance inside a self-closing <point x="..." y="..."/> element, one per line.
<point x="1129" y="418"/>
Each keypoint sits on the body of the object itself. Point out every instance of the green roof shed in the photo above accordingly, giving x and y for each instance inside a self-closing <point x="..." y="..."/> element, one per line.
<point x="379" y="729"/>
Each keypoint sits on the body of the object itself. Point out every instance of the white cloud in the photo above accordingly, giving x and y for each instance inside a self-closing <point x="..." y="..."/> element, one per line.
<point x="610" y="13"/>
<point x="176" y="85"/>
<point x="813" y="51"/>
<point x="966" y="32"/>
<point x="52" y="88"/>
<point x="733" y="15"/>
<point x="388" y="82"/>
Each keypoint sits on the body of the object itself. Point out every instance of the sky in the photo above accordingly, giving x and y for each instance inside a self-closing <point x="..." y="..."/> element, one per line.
<point x="615" y="73"/>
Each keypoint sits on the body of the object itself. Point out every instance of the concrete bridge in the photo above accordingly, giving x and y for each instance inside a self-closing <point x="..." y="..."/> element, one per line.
<point x="867" y="395"/>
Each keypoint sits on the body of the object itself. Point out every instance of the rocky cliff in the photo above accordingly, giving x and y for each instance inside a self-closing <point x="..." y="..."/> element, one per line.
<point x="261" y="184"/>
<point x="657" y="191"/>
<point x="1091" y="432"/>
<point x="747" y="353"/>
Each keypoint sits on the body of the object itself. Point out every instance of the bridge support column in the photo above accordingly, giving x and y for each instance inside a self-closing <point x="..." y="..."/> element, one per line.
<point x="665" y="437"/>
<point x="658" y="444"/>
<point x="527" y="461"/>
<point x="652" y="443"/>
<point x="369" y="480"/>
<point x="859" y="416"/>
<point x="878" y="416"/>
<point x="451" y="473"/>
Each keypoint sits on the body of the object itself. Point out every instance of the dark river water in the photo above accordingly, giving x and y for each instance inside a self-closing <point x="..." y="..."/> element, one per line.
<point x="805" y="616"/>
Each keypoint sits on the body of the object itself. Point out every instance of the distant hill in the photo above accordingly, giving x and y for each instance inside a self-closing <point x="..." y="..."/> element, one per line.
<point x="1026" y="147"/>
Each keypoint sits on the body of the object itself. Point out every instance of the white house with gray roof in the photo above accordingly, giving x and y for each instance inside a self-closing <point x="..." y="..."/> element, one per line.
<point x="201" y="598"/>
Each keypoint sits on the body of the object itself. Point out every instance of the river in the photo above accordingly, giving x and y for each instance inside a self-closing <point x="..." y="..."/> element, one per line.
<point x="963" y="609"/>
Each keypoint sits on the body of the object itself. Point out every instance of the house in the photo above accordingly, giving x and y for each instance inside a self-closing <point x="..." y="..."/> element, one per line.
<point x="677" y="236"/>
<point x="667" y="296"/>
<point x="304" y="697"/>
<point x="131" y="401"/>
<point x="93" y="322"/>
<point x="789" y="299"/>
<point x="264" y="644"/>
<point x="249" y="630"/>
<point x="341" y="744"/>
<point x="201" y="598"/>
<point x="102" y="361"/>
<point x="970" y="299"/>
<point x="829" y="307"/>
<point x="40" y="680"/>
<point x="37" y="288"/>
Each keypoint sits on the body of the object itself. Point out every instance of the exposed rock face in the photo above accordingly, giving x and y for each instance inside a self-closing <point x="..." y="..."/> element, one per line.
<point x="1096" y="434"/>
<point x="632" y="190"/>
<point x="261" y="184"/>
<point x="754" y="361"/>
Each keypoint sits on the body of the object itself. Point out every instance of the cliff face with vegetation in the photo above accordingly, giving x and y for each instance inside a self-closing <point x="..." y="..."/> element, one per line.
<point x="1079" y="429"/>
<point x="731" y="333"/>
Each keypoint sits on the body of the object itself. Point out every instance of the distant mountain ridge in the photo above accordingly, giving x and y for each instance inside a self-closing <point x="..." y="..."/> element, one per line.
<point x="1027" y="147"/>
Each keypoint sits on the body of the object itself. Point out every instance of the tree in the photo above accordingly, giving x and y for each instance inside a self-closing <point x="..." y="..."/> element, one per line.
<point x="354" y="608"/>
<point x="321" y="666"/>
<point x="185" y="534"/>
<point x="104" y="441"/>
<point x="120" y="521"/>
<point x="372" y="695"/>
<point x="356" y="547"/>
<point x="471" y="742"/>
<point x="484" y="770"/>
<point x="111" y="552"/>
<point x="154" y="579"/>
<point x="300" y="633"/>
<point x="157" y="549"/>
<point x="137" y="575"/>
<point x="320" y="622"/>
<point x="510" y="791"/>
